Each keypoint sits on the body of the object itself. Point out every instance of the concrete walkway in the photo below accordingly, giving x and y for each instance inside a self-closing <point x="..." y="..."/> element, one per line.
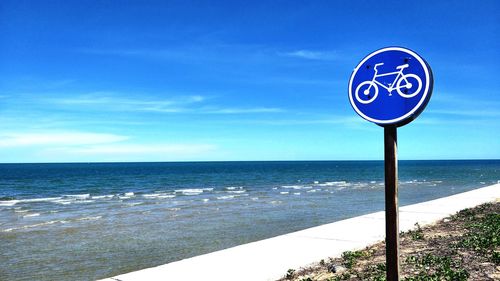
<point x="269" y="259"/>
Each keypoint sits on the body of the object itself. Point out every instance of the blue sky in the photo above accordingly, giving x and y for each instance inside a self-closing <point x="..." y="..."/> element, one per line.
<point x="236" y="80"/>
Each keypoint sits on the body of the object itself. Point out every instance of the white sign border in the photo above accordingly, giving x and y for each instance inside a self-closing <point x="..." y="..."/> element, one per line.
<point x="407" y="115"/>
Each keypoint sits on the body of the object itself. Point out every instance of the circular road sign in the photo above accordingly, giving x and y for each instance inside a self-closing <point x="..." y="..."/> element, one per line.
<point x="391" y="86"/>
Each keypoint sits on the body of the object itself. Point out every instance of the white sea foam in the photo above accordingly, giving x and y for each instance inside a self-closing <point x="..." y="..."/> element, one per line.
<point x="33" y="225"/>
<point x="284" y="192"/>
<point x="129" y="194"/>
<point x="152" y="195"/>
<point x="206" y="200"/>
<point x="63" y="201"/>
<point x="255" y="198"/>
<point x="77" y="196"/>
<point x="312" y="190"/>
<point x="31" y="215"/>
<point x="29" y="200"/>
<point x="103" y="196"/>
<point x="234" y="187"/>
<point x="84" y="201"/>
<point x="296" y="186"/>
<point x="193" y="191"/>
<point x="90" y="218"/>
<point x="134" y="204"/>
<point x="21" y="211"/>
<point x="419" y="182"/>
<point x="8" y="203"/>
<point x="166" y="196"/>
<point x="33" y="200"/>
<point x="296" y="193"/>
<point x="225" y="197"/>
<point x="158" y="195"/>
<point x="236" y="191"/>
<point x="334" y="183"/>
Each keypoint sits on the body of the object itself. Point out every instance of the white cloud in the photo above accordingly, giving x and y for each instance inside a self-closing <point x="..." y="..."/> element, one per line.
<point x="243" y="110"/>
<point x="142" y="149"/>
<point x="86" y="146"/>
<point x="474" y="113"/>
<point x="193" y="104"/>
<point x="57" y="138"/>
<point x="312" y="55"/>
<point x="342" y="120"/>
<point x="109" y="101"/>
<point x="129" y="152"/>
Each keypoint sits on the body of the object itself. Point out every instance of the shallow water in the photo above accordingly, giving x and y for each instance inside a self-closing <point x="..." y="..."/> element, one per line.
<point x="89" y="221"/>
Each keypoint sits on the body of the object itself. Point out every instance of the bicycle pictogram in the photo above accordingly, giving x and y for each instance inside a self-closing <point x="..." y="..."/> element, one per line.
<point x="406" y="85"/>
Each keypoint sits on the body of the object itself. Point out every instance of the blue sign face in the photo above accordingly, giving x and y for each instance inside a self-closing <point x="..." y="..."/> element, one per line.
<point x="391" y="86"/>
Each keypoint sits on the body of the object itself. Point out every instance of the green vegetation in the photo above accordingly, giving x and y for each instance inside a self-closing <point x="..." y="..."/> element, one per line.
<point x="465" y="246"/>
<point x="351" y="257"/>
<point x="416" y="234"/>
<point x="290" y="273"/>
<point x="431" y="267"/>
<point x="343" y="276"/>
<point x="483" y="236"/>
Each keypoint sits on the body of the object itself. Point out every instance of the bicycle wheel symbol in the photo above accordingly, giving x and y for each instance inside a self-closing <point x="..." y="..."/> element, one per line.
<point x="412" y="86"/>
<point x="369" y="90"/>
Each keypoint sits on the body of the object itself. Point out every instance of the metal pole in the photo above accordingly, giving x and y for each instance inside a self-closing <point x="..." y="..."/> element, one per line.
<point x="391" y="203"/>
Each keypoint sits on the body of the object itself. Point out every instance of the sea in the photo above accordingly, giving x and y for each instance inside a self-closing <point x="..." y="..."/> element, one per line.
<point x="85" y="221"/>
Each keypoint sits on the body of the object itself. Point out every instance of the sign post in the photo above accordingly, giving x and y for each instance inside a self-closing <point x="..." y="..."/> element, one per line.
<point x="391" y="203"/>
<point x="391" y="87"/>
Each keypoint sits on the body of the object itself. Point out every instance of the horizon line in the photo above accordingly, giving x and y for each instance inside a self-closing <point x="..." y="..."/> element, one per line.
<point x="221" y="161"/>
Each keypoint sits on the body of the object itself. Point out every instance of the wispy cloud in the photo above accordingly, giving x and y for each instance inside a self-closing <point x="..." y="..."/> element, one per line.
<point x="334" y="120"/>
<point x="140" y="149"/>
<point x="29" y="82"/>
<point x="194" y="104"/>
<point x="312" y="55"/>
<point x="110" y="101"/>
<point x="242" y="110"/>
<point x="57" y="138"/>
<point x="473" y="113"/>
<point x="196" y="54"/>
<point x="130" y="152"/>
<point x="83" y="146"/>
<point x="111" y="97"/>
<point x="144" y="53"/>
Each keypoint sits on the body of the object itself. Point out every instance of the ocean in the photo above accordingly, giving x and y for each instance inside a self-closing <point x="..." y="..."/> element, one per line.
<point x="88" y="221"/>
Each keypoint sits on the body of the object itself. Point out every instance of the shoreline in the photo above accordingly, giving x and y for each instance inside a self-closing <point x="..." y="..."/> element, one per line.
<point x="268" y="259"/>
